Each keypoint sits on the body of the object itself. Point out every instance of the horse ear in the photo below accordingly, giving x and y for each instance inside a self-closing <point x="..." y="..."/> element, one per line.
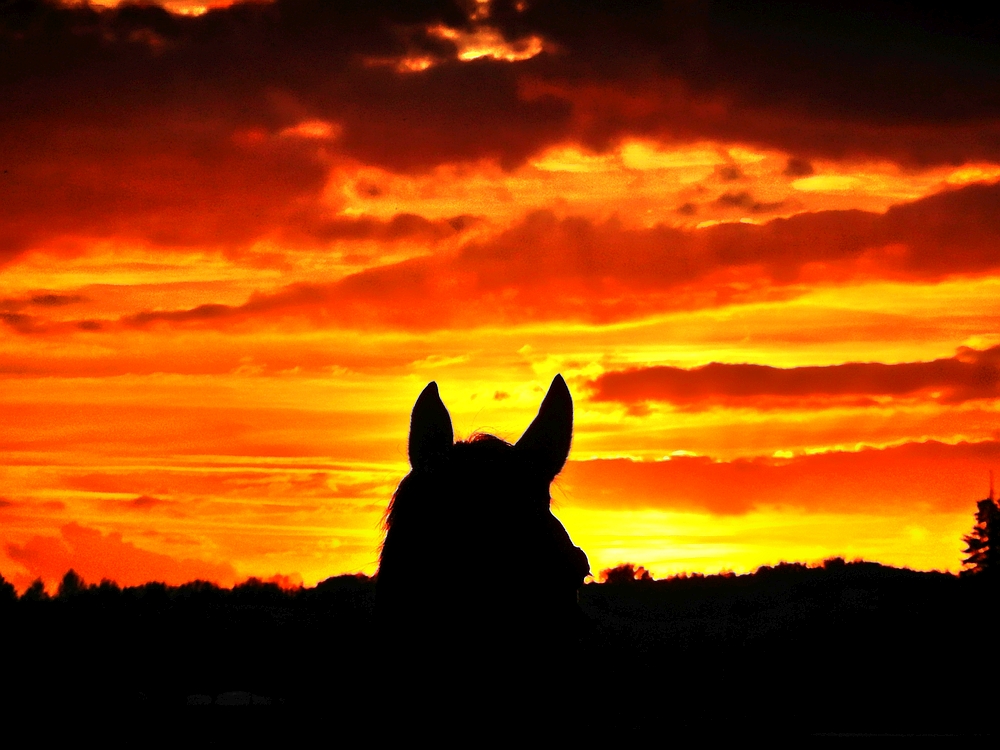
<point x="548" y="437"/>
<point x="430" y="428"/>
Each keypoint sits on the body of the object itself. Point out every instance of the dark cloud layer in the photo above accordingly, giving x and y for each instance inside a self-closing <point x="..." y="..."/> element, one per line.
<point x="919" y="85"/>
<point x="971" y="374"/>
<point x="141" y="124"/>
<point x="42" y="299"/>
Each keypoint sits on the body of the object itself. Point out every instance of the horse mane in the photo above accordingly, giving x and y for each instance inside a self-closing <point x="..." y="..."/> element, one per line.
<point x="485" y="444"/>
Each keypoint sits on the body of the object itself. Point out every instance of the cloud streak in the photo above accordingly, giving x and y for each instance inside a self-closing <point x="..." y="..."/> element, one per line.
<point x="970" y="374"/>
<point x="928" y="476"/>
<point x="96" y="556"/>
<point x="548" y="268"/>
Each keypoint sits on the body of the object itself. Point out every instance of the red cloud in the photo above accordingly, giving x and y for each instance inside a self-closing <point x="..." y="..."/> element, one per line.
<point x="971" y="374"/>
<point x="96" y="556"/>
<point x="546" y="268"/>
<point x="927" y="476"/>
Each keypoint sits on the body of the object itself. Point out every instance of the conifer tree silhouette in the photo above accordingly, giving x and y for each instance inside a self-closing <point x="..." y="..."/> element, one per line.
<point x="983" y="544"/>
<point x="71" y="585"/>
<point x="36" y="592"/>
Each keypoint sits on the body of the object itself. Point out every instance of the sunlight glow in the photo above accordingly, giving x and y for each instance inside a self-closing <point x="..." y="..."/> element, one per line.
<point x="312" y="129"/>
<point x="485" y="41"/>
<point x="228" y="270"/>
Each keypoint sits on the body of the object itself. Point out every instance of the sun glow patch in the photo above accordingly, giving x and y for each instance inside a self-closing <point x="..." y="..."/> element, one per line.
<point x="974" y="173"/>
<point x="485" y="41"/>
<point x="315" y="129"/>
<point x="192" y="8"/>
<point x="826" y="183"/>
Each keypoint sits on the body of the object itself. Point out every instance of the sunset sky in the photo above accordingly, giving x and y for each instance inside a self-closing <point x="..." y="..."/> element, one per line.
<point x="760" y="242"/>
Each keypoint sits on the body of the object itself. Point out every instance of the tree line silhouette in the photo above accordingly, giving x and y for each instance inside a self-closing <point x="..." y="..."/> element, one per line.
<point x="836" y="647"/>
<point x="844" y="646"/>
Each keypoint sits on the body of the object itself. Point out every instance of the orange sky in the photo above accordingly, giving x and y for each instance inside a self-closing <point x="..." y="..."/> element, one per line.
<point x="236" y="242"/>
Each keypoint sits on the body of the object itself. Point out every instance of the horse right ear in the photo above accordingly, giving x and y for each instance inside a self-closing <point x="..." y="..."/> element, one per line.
<point x="431" y="433"/>
<point x="548" y="437"/>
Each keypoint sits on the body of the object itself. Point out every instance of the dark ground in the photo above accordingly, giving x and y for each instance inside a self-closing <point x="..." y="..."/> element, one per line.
<point x="844" y="648"/>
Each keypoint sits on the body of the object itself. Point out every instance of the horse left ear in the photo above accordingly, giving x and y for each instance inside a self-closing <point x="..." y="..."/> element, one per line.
<point x="548" y="437"/>
<point x="431" y="433"/>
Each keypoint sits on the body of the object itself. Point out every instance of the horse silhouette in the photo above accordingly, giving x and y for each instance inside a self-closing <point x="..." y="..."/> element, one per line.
<point x="473" y="557"/>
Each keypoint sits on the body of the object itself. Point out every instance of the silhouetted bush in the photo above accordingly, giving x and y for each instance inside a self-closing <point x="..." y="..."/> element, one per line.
<point x="256" y="591"/>
<point x="625" y="573"/>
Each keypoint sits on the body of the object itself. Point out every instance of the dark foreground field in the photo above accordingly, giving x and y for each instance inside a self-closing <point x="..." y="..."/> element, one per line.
<point x="845" y="648"/>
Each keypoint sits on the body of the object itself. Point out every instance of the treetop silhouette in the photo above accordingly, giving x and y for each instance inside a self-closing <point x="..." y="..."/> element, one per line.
<point x="625" y="573"/>
<point x="983" y="543"/>
<point x="71" y="585"/>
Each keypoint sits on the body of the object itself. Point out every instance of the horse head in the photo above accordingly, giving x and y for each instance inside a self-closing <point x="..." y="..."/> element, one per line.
<point x="471" y="548"/>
